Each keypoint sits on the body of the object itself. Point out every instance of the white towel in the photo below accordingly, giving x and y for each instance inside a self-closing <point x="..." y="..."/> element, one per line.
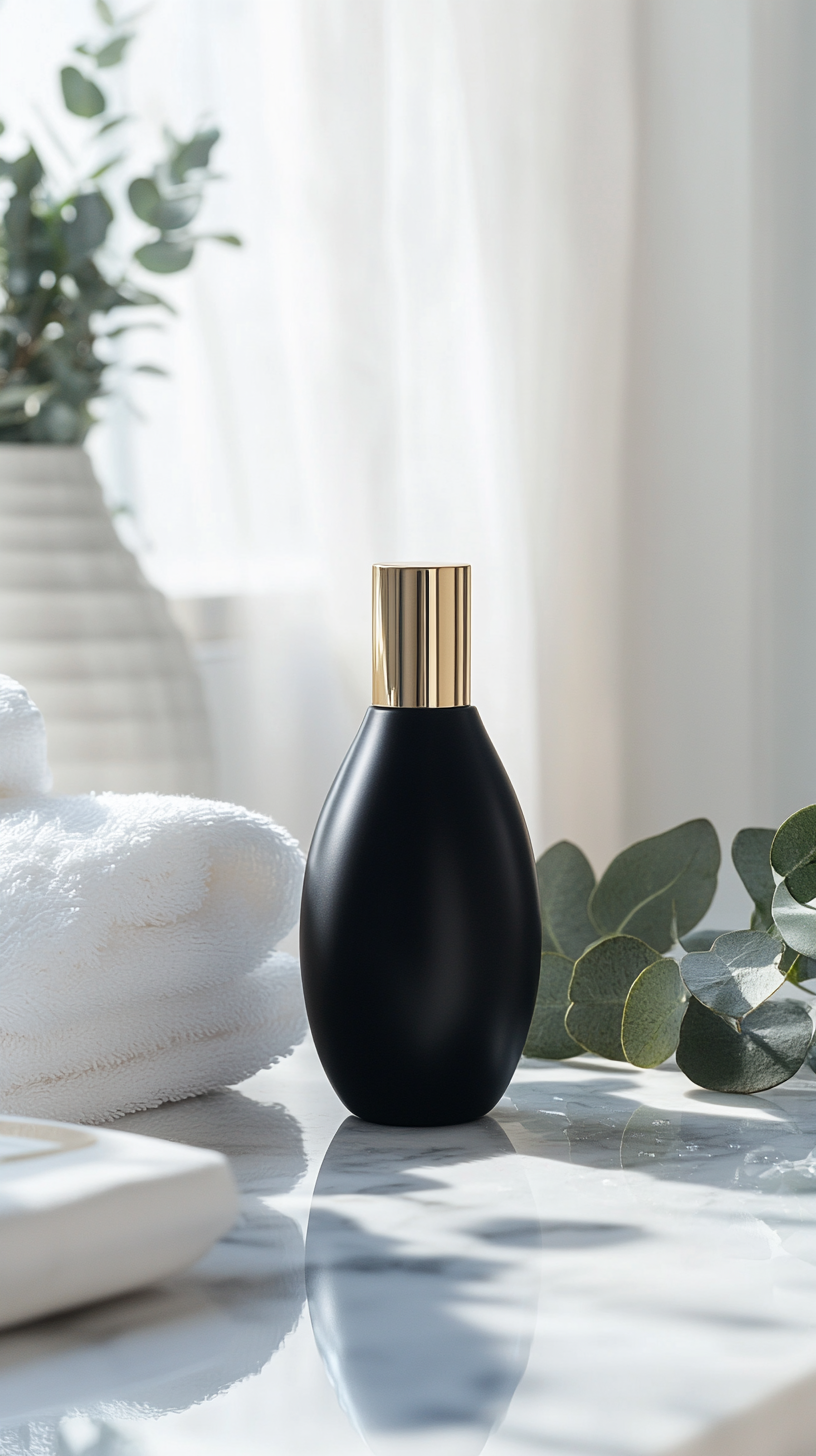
<point x="137" y="939"/>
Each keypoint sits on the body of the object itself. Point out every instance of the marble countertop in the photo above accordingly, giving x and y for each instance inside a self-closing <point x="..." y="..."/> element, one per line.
<point x="613" y="1263"/>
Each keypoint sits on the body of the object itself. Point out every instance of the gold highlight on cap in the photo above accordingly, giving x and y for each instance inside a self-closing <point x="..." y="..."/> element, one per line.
<point x="421" y="636"/>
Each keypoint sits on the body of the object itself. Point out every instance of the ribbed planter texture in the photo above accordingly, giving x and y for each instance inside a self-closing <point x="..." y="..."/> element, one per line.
<point x="90" y="639"/>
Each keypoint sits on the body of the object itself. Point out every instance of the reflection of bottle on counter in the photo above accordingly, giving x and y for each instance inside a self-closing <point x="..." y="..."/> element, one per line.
<point x="420" y="928"/>
<point x="422" y="1272"/>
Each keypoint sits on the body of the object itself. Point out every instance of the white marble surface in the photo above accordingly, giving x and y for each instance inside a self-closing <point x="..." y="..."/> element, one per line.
<point x="614" y="1263"/>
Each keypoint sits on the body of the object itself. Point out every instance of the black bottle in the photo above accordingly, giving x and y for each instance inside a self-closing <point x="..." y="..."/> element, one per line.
<point x="420" y="934"/>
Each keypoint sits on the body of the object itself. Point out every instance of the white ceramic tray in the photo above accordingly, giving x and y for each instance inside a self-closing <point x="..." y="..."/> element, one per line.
<point x="87" y="1213"/>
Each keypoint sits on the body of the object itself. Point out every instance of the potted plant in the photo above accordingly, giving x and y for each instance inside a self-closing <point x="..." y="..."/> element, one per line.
<point x="79" y="625"/>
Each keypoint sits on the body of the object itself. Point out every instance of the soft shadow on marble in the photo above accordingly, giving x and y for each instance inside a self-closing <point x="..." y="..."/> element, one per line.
<point x="421" y="1294"/>
<point x="191" y="1337"/>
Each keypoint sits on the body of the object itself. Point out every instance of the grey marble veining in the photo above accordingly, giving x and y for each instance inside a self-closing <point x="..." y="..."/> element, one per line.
<point x="611" y="1264"/>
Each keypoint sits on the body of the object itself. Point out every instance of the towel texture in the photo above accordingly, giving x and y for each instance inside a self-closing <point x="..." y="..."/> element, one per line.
<point x="137" y="940"/>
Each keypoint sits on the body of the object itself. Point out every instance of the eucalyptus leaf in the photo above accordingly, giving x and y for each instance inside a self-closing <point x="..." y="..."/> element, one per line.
<point x="82" y="96"/>
<point x="660" y="886"/>
<point x="548" y="1036"/>
<point x="194" y="155"/>
<point x="164" y="256"/>
<point x="770" y="1048"/>
<point x="653" y="1014"/>
<point x="600" y="984"/>
<point x="796" y="923"/>
<point x="168" y="214"/>
<point x="794" y="843"/>
<point x="25" y="172"/>
<point x="565" y="883"/>
<point x="230" y="238"/>
<point x="104" y="12"/>
<point x="87" y="231"/>
<point x="112" y="53"/>
<point x="802" y="883"/>
<point x="751" y="853"/>
<point x="175" y="212"/>
<point x="150" y="369"/>
<point x="739" y="972"/>
<point x="144" y="197"/>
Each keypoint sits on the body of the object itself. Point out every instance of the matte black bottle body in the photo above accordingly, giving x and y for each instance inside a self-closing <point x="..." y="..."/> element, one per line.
<point x="420" y="930"/>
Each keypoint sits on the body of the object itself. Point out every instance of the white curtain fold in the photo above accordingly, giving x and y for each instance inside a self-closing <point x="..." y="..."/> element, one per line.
<point x="530" y="283"/>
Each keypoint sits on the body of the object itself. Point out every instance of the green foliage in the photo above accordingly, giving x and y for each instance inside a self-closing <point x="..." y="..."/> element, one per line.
<point x="565" y="883"/>
<point x="625" y="999"/>
<point x="81" y="96"/>
<point x="165" y="255"/>
<point x="653" y="1014"/>
<point x="58" y="296"/>
<point x="751" y="853"/>
<point x="548" y="1035"/>
<point x="739" y="972"/>
<point x="660" y="887"/>
<point x="601" y="982"/>
<point x="769" y="1047"/>
<point x="796" y="923"/>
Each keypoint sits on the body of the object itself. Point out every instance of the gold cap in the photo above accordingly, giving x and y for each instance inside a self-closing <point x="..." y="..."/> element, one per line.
<point x="421" y="636"/>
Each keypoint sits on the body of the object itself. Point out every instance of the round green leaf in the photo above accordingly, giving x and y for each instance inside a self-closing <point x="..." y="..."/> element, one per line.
<point x="771" y="1047"/>
<point x="164" y="256"/>
<point x="82" y="97"/>
<point x="659" y="887"/>
<point x="794" y="843"/>
<point x="161" y="212"/>
<point x="751" y="853"/>
<point x="565" y="883"/>
<point x="25" y="172"/>
<point x="598" y="990"/>
<point x="176" y="212"/>
<point x="796" y="923"/>
<point x="739" y="972"/>
<point x="653" y="1014"/>
<point x="112" y="53"/>
<point x="548" y="1036"/>
<point x="144" y="197"/>
<point x="88" y="228"/>
<point x="802" y="883"/>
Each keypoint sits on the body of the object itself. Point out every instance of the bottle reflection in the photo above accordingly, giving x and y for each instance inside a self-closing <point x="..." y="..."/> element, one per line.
<point x="421" y="1287"/>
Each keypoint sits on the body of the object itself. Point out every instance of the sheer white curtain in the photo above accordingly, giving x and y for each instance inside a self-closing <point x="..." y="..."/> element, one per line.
<point x="420" y="354"/>
<point x="526" y="282"/>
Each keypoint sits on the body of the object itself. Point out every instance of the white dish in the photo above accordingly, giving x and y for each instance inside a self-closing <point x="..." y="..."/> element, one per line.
<point x="87" y="1213"/>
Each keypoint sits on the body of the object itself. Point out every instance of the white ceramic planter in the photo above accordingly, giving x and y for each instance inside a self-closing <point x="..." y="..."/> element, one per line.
<point x="90" y="639"/>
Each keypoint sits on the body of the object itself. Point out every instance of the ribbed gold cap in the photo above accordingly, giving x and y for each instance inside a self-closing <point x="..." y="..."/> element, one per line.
<point x="421" y="636"/>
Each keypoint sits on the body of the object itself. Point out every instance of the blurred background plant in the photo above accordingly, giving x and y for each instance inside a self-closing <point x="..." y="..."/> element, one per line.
<point x="61" y="292"/>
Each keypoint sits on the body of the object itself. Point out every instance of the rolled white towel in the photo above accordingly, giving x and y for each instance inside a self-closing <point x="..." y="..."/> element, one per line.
<point x="136" y="941"/>
<point x="23" y="757"/>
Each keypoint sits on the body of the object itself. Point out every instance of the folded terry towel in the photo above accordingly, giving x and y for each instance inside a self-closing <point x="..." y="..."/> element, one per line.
<point x="137" y="938"/>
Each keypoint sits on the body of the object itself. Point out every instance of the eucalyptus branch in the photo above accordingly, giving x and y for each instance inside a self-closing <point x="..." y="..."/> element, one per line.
<point x="53" y="281"/>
